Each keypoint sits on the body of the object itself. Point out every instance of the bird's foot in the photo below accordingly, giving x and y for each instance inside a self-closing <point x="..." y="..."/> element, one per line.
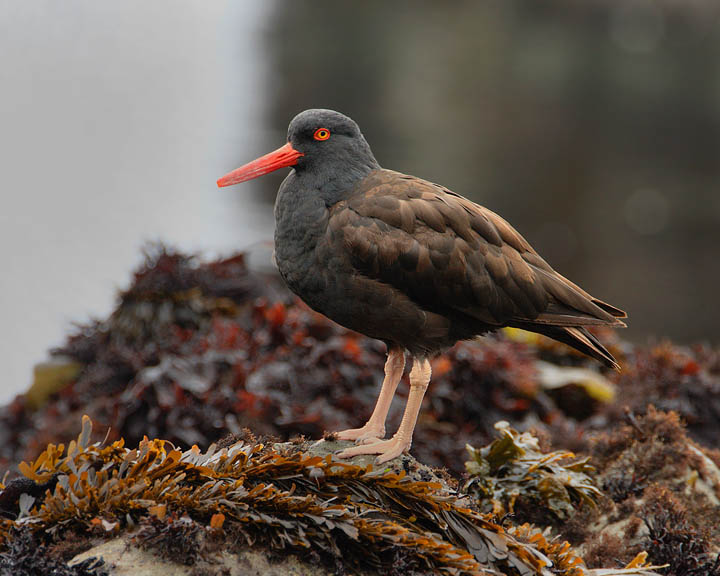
<point x="386" y="449"/>
<point x="368" y="434"/>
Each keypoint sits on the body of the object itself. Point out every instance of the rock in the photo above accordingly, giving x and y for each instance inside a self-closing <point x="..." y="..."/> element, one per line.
<point x="123" y="558"/>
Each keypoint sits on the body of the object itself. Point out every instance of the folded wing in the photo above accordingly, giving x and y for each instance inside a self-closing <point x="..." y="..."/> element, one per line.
<point x="451" y="255"/>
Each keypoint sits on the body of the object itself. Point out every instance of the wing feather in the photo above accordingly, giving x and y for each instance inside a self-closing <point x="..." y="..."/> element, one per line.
<point x="451" y="255"/>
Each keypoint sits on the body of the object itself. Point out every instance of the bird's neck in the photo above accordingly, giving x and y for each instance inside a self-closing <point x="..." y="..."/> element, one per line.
<point x="336" y="180"/>
<point x="301" y="219"/>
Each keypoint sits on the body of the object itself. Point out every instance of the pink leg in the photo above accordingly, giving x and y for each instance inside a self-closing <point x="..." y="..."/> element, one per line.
<point x="375" y="427"/>
<point x="401" y="441"/>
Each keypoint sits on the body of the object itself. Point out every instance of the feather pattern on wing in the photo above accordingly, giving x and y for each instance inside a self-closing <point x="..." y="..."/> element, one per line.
<point x="457" y="259"/>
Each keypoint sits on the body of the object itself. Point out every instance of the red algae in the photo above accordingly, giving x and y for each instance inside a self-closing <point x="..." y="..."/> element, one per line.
<point x="197" y="351"/>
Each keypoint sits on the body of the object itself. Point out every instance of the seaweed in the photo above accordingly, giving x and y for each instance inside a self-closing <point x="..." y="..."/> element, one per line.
<point x="673" y="540"/>
<point x="660" y="495"/>
<point x="647" y="449"/>
<point x="180" y="539"/>
<point x="197" y="351"/>
<point x="16" y="488"/>
<point x="513" y="476"/>
<point x="280" y="497"/>
<point x="23" y="556"/>
<point x="680" y="379"/>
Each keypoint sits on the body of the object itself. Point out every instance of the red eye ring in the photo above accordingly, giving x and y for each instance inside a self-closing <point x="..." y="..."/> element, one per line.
<point x="321" y="134"/>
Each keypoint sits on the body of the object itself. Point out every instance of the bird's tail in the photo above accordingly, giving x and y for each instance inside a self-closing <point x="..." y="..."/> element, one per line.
<point x="579" y="338"/>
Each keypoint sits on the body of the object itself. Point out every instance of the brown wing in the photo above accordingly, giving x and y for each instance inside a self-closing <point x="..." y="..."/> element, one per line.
<point x="448" y="253"/>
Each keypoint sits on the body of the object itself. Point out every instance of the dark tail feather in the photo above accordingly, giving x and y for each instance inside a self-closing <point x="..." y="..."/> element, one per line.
<point x="610" y="309"/>
<point x="578" y="338"/>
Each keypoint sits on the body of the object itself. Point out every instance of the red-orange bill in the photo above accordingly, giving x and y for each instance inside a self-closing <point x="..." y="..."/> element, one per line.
<point x="280" y="158"/>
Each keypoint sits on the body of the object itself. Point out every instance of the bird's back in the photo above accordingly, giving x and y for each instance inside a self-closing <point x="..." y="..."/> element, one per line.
<point x="458" y="263"/>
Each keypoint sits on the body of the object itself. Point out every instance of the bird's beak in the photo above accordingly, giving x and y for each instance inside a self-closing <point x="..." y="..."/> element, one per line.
<point x="280" y="158"/>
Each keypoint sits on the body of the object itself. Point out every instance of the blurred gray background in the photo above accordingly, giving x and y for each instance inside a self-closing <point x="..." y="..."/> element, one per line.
<point x="593" y="127"/>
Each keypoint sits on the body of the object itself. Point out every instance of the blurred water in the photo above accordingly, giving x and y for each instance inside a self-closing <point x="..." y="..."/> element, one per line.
<point x="116" y="118"/>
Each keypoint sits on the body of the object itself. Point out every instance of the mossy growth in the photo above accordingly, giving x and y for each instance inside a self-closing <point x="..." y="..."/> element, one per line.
<point x="513" y="476"/>
<point x="280" y="497"/>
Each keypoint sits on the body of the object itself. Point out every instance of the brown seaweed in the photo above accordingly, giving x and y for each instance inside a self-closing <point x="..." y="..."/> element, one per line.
<point x="195" y="351"/>
<point x="280" y="497"/>
<point x="513" y="476"/>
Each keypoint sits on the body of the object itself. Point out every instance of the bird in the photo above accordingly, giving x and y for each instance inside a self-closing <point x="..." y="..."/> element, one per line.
<point x="408" y="262"/>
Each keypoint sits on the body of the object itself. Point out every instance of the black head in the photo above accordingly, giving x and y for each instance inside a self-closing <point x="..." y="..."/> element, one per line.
<point x="331" y="144"/>
<point x="327" y="150"/>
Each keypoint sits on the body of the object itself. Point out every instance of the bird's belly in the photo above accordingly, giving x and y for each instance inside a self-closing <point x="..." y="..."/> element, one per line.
<point x="369" y="307"/>
<point x="320" y="283"/>
<point x="321" y="274"/>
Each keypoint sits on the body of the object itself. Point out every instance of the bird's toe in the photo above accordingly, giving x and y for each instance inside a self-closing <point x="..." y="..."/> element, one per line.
<point x="368" y="439"/>
<point x="393" y="451"/>
<point x="386" y="450"/>
<point x="365" y="435"/>
<point x="359" y="450"/>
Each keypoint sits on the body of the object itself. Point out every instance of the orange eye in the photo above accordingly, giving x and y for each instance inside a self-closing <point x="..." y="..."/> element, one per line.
<point x="321" y="134"/>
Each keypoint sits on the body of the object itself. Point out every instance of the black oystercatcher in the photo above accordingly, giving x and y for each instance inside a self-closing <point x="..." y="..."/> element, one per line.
<point x="408" y="262"/>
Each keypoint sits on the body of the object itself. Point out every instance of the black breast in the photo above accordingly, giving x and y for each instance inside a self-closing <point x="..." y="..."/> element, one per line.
<point x="313" y="256"/>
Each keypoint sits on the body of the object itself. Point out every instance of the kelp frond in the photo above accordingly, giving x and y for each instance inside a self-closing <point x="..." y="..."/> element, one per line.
<point x="512" y="471"/>
<point x="280" y="497"/>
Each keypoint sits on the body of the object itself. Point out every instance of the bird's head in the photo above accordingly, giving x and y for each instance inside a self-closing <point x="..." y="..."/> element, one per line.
<point x="323" y="145"/>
